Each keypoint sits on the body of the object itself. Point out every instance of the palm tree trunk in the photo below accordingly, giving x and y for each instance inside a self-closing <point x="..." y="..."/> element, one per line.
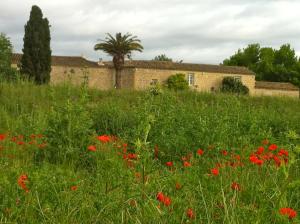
<point x="118" y="78"/>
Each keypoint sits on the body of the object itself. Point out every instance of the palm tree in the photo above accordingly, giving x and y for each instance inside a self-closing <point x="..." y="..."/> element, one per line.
<point x="119" y="47"/>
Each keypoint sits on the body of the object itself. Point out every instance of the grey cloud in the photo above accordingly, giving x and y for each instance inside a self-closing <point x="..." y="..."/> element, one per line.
<point x="196" y="31"/>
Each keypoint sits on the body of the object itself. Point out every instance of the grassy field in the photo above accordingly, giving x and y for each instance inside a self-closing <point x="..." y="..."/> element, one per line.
<point x="71" y="155"/>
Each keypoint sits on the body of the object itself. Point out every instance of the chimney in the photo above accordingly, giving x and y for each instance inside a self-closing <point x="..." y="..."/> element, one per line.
<point x="100" y="62"/>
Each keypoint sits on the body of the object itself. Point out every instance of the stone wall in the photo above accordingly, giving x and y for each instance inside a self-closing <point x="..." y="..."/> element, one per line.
<point x="277" y="92"/>
<point x="202" y="81"/>
<point x="99" y="78"/>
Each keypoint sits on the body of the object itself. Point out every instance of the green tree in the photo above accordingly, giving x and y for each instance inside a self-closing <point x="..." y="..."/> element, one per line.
<point x="6" y="71"/>
<point x="268" y="64"/>
<point x="36" y="60"/>
<point x="177" y="82"/>
<point x="232" y="85"/>
<point x="162" y="57"/>
<point x="5" y="52"/>
<point x="119" y="47"/>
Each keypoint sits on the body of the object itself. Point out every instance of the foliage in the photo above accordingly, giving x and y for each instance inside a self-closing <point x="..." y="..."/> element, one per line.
<point x="6" y="72"/>
<point x="157" y="149"/>
<point x="269" y="64"/>
<point x="232" y="85"/>
<point x="177" y="82"/>
<point x="119" y="47"/>
<point x="162" y="57"/>
<point x="36" y="59"/>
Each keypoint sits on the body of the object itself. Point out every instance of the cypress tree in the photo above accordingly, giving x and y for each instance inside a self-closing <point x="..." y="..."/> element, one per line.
<point x="36" y="60"/>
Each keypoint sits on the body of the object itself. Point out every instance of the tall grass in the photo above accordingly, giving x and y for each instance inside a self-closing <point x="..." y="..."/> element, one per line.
<point x="70" y="184"/>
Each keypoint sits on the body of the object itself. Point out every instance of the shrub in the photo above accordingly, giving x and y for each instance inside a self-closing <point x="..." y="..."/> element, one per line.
<point x="232" y="85"/>
<point x="177" y="82"/>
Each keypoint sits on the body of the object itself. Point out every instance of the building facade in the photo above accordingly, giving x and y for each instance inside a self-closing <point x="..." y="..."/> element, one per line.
<point x="140" y="75"/>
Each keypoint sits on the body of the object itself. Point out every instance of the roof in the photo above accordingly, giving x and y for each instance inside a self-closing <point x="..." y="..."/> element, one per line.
<point x="71" y="61"/>
<point x="167" y="65"/>
<point x="275" y="85"/>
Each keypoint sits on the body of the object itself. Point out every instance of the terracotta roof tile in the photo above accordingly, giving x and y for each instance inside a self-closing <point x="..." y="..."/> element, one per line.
<point x="186" y="67"/>
<point x="70" y="61"/>
<point x="275" y="85"/>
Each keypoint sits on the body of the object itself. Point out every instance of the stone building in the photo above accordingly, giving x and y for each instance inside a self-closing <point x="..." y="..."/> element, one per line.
<point x="140" y="75"/>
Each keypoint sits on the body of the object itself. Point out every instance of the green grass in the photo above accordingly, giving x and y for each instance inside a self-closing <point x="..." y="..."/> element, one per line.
<point x="111" y="189"/>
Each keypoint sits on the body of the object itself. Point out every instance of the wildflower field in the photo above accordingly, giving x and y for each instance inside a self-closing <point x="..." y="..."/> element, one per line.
<point x="72" y="155"/>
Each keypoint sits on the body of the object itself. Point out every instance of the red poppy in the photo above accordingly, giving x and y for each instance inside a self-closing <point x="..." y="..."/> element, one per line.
<point x="224" y="152"/>
<point x="167" y="201"/>
<point x="200" y="152"/>
<point x="283" y="152"/>
<point x="160" y="196"/>
<point x="235" y="186"/>
<point x="260" y="150"/>
<point x="190" y="213"/>
<point x="74" y="188"/>
<point x="92" y="148"/>
<point x="187" y="164"/>
<point x="277" y="161"/>
<point x="20" y="143"/>
<point x="265" y="142"/>
<point x="21" y="182"/>
<point x="169" y="164"/>
<point x="273" y="147"/>
<point x="2" y="137"/>
<point x="104" y="138"/>
<point x="214" y="171"/>
<point x="178" y="186"/>
<point x="132" y="156"/>
<point x="291" y="213"/>
<point x="254" y="159"/>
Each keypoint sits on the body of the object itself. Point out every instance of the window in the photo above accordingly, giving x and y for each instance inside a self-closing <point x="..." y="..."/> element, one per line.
<point x="238" y="78"/>
<point x="154" y="82"/>
<point x="191" y="79"/>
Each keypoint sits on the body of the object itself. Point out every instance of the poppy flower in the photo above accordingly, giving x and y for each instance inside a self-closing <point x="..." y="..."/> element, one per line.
<point x="169" y="164"/>
<point x="21" y="182"/>
<point x="92" y="148"/>
<point x="255" y="160"/>
<point x="178" y="186"/>
<point x="283" y="152"/>
<point x="291" y="213"/>
<point x="260" y="150"/>
<point x="132" y="156"/>
<point x="160" y="196"/>
<point x="74" y="188"/>
<point x="273" y="147"/>
<point x="2" y="137"/>
<point x="235" y="186"/>
<point x="224" y="152"/>
<point x="167" y="201"/>
<point x="214" y="171"/>
<point x="265" y="142"/>
<point x="277" y="161"/>
<point x="187" y="164"/>
<point x="104" y="138"/>
<point x="200" y="152"/>
<point x="190" y="213"/>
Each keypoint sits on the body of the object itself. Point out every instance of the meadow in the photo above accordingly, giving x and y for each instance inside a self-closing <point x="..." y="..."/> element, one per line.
<point x="76" y="155"/>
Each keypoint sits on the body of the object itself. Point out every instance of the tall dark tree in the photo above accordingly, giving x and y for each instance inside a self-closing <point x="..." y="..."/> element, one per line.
<point x="119" y="47"/>
<point x="36" y="60"/>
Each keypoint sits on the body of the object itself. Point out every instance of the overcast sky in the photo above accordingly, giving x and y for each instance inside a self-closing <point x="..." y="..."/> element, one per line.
<point x="200" y="31"/>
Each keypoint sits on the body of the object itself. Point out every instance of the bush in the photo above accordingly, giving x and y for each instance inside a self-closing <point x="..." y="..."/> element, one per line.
<point x="232" y="85"/>
<point x="177" y="82"/>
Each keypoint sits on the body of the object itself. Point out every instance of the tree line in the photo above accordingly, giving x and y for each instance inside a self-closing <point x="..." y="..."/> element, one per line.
<point x="269" y="64"/>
